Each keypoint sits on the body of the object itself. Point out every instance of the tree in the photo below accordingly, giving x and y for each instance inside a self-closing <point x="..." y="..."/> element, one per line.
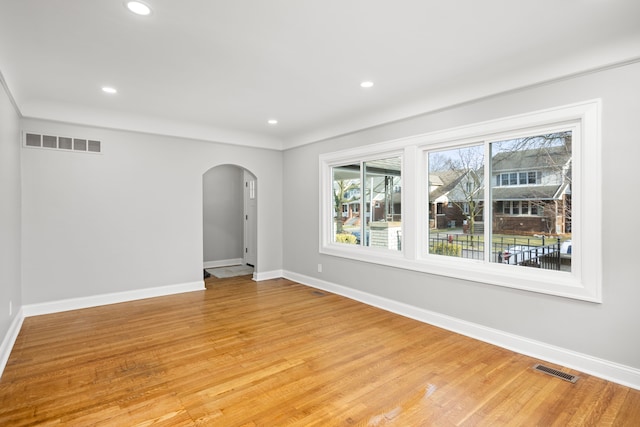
<point x="554" y="150"/>
<point x="468" y="164"/>
<point x="340" y="188"/>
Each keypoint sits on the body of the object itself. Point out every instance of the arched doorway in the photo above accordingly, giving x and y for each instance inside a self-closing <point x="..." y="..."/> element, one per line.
<point x="229" y="217"/>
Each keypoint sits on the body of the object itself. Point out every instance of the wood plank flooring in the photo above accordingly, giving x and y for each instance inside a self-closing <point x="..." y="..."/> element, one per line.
<point x="277" y="353"/>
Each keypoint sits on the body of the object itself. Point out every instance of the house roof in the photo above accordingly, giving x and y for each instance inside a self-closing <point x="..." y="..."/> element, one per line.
<point x="435" y="180"/>
<point x="218" y="70"/>
<point x="547" y="157"/>
<point x="538" y="192"/>
<point x="445" y="181"/>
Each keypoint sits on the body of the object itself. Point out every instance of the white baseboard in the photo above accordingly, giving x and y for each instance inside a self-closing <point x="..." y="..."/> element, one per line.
<point x="223" y="263"/>
<point x="611" y="371"/>
<point x="267" y="275"/>
<point x="10" y="339"/>
<point x="113" y="298"/>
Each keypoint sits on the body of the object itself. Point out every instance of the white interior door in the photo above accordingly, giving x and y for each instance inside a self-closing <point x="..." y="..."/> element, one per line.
<point x="250" y="218"/>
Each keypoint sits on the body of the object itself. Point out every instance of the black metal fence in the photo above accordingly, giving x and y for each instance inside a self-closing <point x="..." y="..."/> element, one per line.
<point x="531" y="252"/>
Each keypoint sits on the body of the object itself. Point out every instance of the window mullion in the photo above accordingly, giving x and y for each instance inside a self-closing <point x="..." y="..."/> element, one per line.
<point x="487" y="210"/>
<point x="363" y="205"/>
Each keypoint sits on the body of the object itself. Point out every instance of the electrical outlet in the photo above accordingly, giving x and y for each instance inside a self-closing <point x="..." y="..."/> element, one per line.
<point x="319" y="268"/>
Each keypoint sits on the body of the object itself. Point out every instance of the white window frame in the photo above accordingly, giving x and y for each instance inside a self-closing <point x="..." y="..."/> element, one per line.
<point x="584" y="282"/>
<point x="359" y="156"/>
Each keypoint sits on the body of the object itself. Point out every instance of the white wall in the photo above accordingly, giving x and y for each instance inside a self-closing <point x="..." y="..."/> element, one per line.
<point x="223" y="197"/>
<point x="132" y="217"/>
<point x="10" y="216"/>
<point x="608" y="331"/>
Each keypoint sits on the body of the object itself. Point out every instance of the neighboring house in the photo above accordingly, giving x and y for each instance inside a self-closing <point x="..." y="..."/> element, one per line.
<point x="382" y="204"/>
<point x="531" y="191"/>
<point x="443" y="212"/>
<point x="386" y="207"/>
<point x="382" y="198"/>
<point x="351" y="205"/>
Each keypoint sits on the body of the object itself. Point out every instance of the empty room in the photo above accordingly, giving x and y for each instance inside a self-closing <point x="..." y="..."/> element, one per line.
<point x="319" y="213"/>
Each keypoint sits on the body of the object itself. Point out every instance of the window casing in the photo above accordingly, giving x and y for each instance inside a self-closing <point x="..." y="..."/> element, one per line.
<point x="583" y="281"/>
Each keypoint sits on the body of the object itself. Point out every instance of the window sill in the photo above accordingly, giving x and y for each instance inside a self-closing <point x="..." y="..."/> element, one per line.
<point x="565" y="284"/>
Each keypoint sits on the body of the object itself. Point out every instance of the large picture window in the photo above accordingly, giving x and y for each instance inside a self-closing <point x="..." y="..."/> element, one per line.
<point x="507" y="202"/>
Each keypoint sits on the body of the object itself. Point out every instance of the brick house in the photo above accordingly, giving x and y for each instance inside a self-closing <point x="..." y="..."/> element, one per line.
<point x="531" y="192"/>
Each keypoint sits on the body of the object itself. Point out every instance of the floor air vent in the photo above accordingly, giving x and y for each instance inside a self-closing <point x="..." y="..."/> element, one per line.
<point x="62" y="143"/>
<point x="556" y="373"/>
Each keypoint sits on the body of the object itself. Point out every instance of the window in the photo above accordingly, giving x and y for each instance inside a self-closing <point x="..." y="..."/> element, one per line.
<point x="375" y="188"/>
<point x="533" y="178"/>
<point x="515" y="208"/>
<point x="460" y="181"/>
<point x="524" y="208"/>
<point x="518" y="191"/>
<point x="346" y="185"/>
<point x="519" y="178"/>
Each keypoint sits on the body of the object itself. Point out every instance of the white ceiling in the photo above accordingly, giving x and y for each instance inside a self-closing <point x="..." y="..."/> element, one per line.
<point x="218" y="70"/>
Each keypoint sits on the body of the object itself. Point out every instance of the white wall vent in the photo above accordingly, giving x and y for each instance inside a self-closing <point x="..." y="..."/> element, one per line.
<point x="64" y="143"/>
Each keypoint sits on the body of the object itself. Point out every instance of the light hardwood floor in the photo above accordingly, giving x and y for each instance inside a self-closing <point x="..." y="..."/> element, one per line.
<point x="278" y="353"/>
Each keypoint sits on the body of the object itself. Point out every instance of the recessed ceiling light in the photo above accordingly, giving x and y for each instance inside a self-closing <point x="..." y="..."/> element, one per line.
<point x="366" y="84"/>
<point x="108" y="89"/>
<point x="138" y="8"/>
<point x="272" y="121"/>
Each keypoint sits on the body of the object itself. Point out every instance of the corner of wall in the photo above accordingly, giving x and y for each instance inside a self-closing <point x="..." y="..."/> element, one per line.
<point x="9" y="339"/>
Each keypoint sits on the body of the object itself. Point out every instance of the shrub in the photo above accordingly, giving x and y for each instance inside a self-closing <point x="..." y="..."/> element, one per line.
<point x="449" y="249"/>
<point x="346" y="238"/>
